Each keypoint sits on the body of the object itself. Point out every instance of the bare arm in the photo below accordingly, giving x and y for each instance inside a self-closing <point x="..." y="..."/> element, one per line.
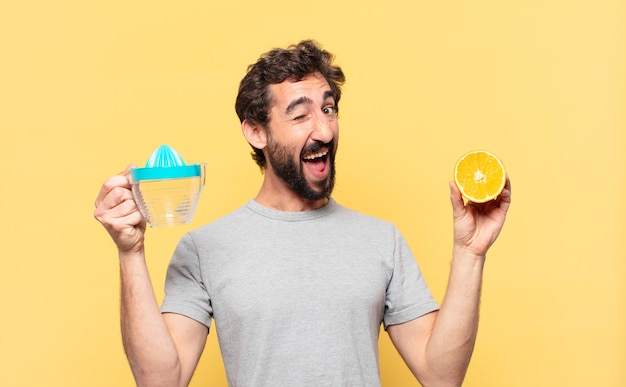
<point x="163" y="350"/>
<point x="438" y="347"/>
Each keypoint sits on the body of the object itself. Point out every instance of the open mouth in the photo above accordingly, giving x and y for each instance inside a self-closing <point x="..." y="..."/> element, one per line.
<point x="317" y="160"/>
<point x="317" y="156"/>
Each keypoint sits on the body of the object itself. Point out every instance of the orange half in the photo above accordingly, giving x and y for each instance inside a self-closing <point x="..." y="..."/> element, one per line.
<point x="480" y="176"/>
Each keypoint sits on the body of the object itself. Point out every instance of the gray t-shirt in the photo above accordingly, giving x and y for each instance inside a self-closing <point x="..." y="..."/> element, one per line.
<point x="298" y="298"/>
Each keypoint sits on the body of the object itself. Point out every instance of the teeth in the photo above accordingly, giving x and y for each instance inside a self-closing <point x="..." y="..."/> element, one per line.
<point x="315" y="155"/>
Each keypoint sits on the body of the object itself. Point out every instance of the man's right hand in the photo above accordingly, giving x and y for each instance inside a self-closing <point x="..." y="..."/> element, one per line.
<point x="117" y="211"/>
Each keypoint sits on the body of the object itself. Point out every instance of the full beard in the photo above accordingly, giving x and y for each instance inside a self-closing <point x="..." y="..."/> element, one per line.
<point x="291" y="172"/>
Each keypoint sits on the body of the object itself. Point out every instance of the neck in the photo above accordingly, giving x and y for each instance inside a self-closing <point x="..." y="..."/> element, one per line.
<point x="284" y="199"/>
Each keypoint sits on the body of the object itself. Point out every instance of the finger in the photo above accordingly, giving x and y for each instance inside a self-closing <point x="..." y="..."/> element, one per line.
<point x="122" y="179"/>
<point x="118" y="199"/>
<point x="126" y="214"/>
<point x="136" y="218"/>
<point x="125" y="226"/>
<point x="114" y="211"/>
<point x="126" y="172"/>
<point x="125" y="206"/>
<point x="505" y="196"/>
<point x="458" y="205"/>
<point x="110" y="184"/>
<point x="507" y="186"/>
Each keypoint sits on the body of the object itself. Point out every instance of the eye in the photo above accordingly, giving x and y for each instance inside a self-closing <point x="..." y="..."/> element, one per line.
<point x="329" y="110"/>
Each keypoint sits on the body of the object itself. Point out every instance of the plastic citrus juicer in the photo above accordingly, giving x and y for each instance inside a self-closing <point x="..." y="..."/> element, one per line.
<point x="167" y="190"/>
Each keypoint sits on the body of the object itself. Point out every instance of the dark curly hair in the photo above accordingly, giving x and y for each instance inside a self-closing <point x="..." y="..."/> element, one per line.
<point x="293" y="63"/>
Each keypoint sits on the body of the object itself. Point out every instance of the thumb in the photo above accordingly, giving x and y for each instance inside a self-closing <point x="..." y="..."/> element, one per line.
<point x="456" y="199"/>
<point x="126" y="172"/>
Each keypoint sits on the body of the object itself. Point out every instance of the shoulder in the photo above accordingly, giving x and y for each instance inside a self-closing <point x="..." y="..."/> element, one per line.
<point x="357" y="220"/>
<point x="349" y="213"/>
<point x="228" y="225"/>
<point x="229" y="219"/>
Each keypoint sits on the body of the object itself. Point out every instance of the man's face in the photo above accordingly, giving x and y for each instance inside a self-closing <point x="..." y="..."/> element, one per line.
<point x="302" y="136"/>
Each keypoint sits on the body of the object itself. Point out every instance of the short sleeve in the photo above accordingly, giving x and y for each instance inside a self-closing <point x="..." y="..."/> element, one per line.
<point x="408" y="297"/>
<point x="185" y="291"/>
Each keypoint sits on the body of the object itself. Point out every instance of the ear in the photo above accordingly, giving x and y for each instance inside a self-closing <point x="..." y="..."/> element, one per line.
<point x="254" y="133"/>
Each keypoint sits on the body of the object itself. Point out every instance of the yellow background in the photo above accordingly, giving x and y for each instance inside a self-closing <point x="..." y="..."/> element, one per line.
<point x="88" y="87"/>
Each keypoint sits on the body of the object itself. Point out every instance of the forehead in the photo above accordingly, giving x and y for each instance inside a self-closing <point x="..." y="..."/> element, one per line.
<point x="314" y="86"/>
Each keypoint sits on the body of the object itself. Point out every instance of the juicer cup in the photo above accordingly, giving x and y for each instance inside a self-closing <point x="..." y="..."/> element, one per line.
<point x="167" y="190"/>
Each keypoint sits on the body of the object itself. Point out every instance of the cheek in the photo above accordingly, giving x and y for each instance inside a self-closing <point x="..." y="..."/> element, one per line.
<point x="282" y="151"/>
<point x="336" y="135"/>
<point x="334" y="126"/>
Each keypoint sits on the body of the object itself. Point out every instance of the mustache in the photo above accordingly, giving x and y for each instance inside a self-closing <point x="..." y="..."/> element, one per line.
<point x="318" y="146"/>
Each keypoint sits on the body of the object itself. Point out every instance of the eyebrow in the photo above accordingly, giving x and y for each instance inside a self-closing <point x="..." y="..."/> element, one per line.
<point x="295" y="103"/>
<point x="304" y="100"/>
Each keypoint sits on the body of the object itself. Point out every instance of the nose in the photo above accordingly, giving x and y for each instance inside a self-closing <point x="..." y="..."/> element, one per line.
<point x="324" y="129"/>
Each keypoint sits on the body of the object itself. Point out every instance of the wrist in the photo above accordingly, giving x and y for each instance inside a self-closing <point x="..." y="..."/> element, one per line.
<point x="466" y="254"/>
<point x="131" y="255"/>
